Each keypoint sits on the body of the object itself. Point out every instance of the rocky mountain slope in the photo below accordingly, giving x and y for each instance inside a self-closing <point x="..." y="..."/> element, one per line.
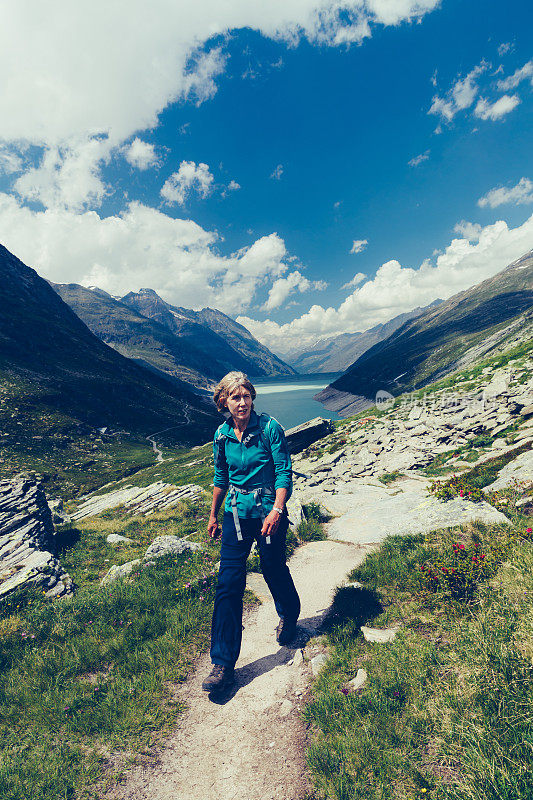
<point x="337" y="353"/>
<point x="54" y="364"/>
<point x="479" y="321"/>
<point x="146" y="341"/>
<point x="225" y="344"/>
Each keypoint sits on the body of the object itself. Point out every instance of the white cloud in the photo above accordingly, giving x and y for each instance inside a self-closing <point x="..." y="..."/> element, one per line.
<point x="337" y="204"/>
<point x="283" y="287"/>
<point x="396" y="289"/>
<point x="517" y="77"/>
<point x="414" y="162"/>
<point x="504" y="48"/>
<point x="10" y="162"/>
<point x="522" y="193"/>
<point x="460" y="96"/>
<point x="189" y="178"/>
<point x="233" y="186"/>
<point x="73" y="50"/>
<point x="468" y="230"/>
<point x="278" y="172"/>
<point x="493" y="111"/>
<point x="68" y="77"/>
<point x="358" y="246"/>
<point x="68" y="177"/>
<point x="141" y="154"/>
<point x="142" y="247"/>
<point x="357" y="278"/>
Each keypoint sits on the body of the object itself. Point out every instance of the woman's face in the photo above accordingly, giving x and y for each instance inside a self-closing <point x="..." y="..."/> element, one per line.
<point x="239" y="404"/>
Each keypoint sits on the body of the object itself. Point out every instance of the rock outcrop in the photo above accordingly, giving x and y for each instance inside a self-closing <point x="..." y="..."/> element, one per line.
<point x="27" y="540"/>
<point x="308" y="432"/>
<point x="353" y="473"/>
<point x="142" y="500"/>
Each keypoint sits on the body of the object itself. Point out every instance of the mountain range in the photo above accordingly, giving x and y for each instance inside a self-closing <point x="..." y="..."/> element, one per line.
<point x="198" y="347"/>
<point x="337" y="353"/>
<point x="468" y="326"/>
<point x="60" y="366"/>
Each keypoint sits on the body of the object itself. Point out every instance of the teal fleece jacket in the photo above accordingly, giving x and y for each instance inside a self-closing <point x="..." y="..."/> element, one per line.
<point x="250" y="464"/>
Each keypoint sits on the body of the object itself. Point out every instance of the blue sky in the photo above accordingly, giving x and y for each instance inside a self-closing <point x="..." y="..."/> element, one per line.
<point x="262" y="169"/>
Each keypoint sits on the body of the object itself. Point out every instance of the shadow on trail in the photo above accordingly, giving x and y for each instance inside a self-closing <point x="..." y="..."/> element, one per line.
<point x="351" y="608"/>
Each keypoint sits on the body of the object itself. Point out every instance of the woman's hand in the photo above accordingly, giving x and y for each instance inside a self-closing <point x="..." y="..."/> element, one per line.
<point x="270" y="524"/>
<point x="213" y="528"/>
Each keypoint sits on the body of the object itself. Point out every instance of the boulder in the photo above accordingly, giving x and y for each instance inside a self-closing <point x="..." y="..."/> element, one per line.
<point x="301" y="436"/>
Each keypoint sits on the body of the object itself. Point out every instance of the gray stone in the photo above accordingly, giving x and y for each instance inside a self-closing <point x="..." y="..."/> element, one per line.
<point x="59" y="517"/>
<point x="366" y="513"/>
<point x="359" y="681"/>
<point x="142" y="500"/>
<point x="520" y="469"/>
<point x="163" y="545"/>
<point x="26" y="539"/>
<point x="317" y="663"/>
<point x="115" y="538"/>
<point x="295" y="511"/>
<point x="379" y="636"/>
<point x="117" y="573"/>
<point x="499" y="444"/>
<point x="527" y="411"/>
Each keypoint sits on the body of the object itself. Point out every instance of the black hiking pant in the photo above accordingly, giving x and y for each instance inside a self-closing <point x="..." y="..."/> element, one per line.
<point x="226" y="629"/>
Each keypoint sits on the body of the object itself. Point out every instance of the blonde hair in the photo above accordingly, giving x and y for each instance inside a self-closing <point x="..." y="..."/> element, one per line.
<point x="228" y="384"/>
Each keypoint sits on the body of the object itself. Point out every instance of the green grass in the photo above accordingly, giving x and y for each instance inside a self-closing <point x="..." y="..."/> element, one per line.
<point x="446" y="710"/>
<point x="92" y="675"/>
<point x="390" y="477"/>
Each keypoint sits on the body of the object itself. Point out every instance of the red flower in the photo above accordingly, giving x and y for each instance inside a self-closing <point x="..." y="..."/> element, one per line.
<point x="529" y="530"/>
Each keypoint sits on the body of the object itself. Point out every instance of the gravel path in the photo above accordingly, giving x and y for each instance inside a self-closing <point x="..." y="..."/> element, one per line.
<point x="251" y="744"/>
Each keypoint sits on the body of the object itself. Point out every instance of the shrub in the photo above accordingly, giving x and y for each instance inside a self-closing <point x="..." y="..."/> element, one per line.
<point x="456" y="571"/>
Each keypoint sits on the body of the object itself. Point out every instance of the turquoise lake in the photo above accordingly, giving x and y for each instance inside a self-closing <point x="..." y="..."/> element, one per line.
<point x="290" y="400"/>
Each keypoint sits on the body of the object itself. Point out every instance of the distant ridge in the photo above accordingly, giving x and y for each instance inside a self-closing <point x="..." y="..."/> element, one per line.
<point x="225" y="343"/>
<point x="473" y="323"/>
<point x="336" y="353"/>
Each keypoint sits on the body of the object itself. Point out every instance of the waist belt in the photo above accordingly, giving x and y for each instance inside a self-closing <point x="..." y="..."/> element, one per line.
<point x="258" y="494"/>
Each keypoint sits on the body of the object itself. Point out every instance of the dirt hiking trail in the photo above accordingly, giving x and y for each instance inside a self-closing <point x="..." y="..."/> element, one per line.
<point x="250" y="744"/>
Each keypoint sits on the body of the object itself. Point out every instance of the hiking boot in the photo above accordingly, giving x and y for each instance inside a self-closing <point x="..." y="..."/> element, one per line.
<point x="219" y="678"/>
<point x="285" y="632"/>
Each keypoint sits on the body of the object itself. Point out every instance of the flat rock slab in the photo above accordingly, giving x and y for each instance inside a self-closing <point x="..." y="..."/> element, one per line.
<point x="521" y="469"/>
<point x="251" y="744"/>
<point x="370" y="513"/>
<point x="142" y="500"/>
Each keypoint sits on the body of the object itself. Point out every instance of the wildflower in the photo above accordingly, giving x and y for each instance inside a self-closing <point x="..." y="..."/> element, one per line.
<point x="529" y="530"/>
<point x="344" y="690"/>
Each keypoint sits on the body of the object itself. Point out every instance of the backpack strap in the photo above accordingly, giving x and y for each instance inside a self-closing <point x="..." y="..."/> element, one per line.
<point x="220" y="447"/>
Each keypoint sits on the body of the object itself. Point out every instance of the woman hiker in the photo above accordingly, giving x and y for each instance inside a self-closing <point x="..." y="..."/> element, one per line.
<point x="253" y="466"/>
